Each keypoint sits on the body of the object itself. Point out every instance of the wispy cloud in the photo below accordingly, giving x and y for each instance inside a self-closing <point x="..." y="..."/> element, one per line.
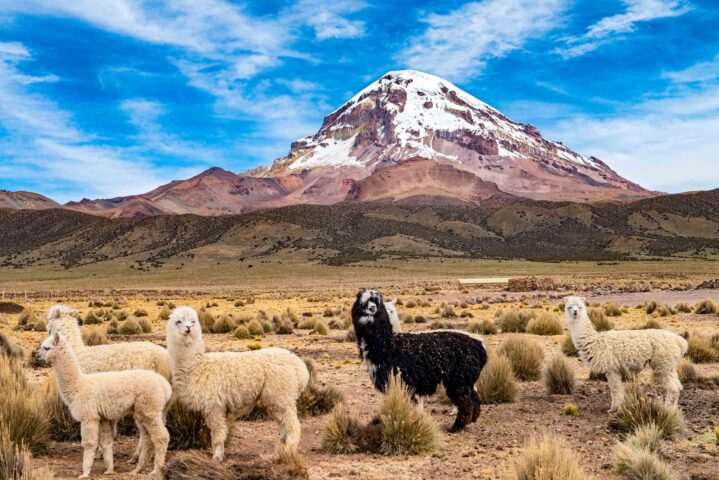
<point x="458" y="44"/>
<point x="608" y="29"/>
<point x="697" y="73"/>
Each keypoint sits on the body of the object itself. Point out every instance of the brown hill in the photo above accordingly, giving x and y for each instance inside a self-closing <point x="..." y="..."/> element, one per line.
<point x="25" y="200"/>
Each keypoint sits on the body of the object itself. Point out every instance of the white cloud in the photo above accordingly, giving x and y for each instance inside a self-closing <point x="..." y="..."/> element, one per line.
<point x="607" y="29"/>
<point x="697" y="73"/>
<point x="458" y="44"/>
<point x="668" y="143"/>
<point x="13" y="49"/>
<point x="327" y="18"/>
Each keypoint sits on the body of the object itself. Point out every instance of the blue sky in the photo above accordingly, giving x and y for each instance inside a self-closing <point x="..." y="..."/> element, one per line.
<point x="113" y="97"/>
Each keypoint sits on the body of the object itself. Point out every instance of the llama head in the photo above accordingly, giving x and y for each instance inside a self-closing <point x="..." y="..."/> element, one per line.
<point x="575" y="310"/>
<point x="51" y="347"/>
<point x="369" y="309"/>
<point x="58" y="312"/>
<point x="184" y="325"/>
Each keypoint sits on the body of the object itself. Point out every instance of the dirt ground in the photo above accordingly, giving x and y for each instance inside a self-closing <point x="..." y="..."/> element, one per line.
<point x="485" y="450"/>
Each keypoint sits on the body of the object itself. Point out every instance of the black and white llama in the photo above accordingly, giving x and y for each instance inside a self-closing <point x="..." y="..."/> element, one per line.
<point x="425" y="361"/>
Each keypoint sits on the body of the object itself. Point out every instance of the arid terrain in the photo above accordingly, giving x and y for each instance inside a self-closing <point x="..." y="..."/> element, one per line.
<point x="487" y="449"/>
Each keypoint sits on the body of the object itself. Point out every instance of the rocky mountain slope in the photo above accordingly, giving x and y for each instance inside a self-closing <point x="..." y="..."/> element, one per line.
<point x="408" y="133"/>
<point x="497" y="227"/>
<point x="25" y="200"/>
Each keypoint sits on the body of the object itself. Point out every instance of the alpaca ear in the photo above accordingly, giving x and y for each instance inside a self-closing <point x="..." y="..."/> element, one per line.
<point x="393" y="301"/>
<point x="56" y="339"/>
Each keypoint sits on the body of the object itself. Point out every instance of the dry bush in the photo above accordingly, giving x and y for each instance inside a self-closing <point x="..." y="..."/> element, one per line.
<point x="9" y="349"/>
<point x="548" y="459"/>
<point x="320" y="328"/>
<point x="497" y="383"/>
<point x="651" y="324"/>
<point x="405" y="430"/>
<point x="91" y="319"/>
<point x="328" y="312"/>
<point x="638" y="410"/>
<point x="599" y="320"/>
<point x="705" y="307"/>
<point x="206" y="320"/>
<point x="187" y="428"/>
<point x="22" y="416"/>
<point x="647" y="437"/>
<point x="140" y="312"/>
<point x="525" y="355"/>
<point x="63" y="427"/>
<point x="351" y="334"/>
<point x="16" y="462"/>
<point x="315" y="399"/>
<point x="164" y="313"/>
<point x="683" y="307"/>
<point x="513" y="320"/>
<point x="223" y="324"/>
<point x="266" y="326"/>
<point x="570" y="409"/>
<point x="485" y="327"/>
<point x="145" y="325"/>
<point x="568" y="347"/>
<point x="612" y="309"/>
<point x="665" y="311"/>
<point x="688" y="372"/>
<point x="449" y="312"/>
<point x="198" y="465"/>
<point x="94" y="337"/>
<point x="307" y="324"/>
<point x="241" y="333"/>
<point x="406" y="318"/>
<point x="341" y="432"/>
<point x="129" y="327"/>
<point x="255" y="328"/>
<point x="545" y="323"/>
<point x="559" y="377"/>
<point x="650" y="307"/>
<point x="701" y="349"/>
<point x="640" y="464"/>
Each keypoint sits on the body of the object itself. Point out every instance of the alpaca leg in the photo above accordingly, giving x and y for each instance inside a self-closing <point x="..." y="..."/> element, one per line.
<point x="143" y="447"/>
<point x="462" y="399"/>
<point x="217" y="424"/>
<point x="90" y="432"/>
<point x="138" y="447"/>
<point x="616" y="390"/>
<point x="290" y="428"/>
<point x="669" y="381"/>
<point x="477" y="405"/>
<point x="106" y="446"/>
<point x="159" y="439"/>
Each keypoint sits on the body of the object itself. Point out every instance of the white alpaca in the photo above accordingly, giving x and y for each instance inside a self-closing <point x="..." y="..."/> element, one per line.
<point x="98" y="399"/>
<point x="627" y="352"/>
<point x="391" y="307"/>
<point x="225" y="385"/>
<point x="107" y="358"/>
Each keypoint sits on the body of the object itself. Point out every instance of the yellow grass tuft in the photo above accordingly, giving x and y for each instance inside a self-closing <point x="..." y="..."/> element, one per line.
<point x="525" y="355"/>
<point x="545" y="323"/>
<point x="497" y="383"/>
<point x="548" y="459"/>
<point x="559" y="377"/>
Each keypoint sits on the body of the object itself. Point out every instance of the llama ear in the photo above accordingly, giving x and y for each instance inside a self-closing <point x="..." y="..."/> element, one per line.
<point x="393" y="301"/>
<point x="56" y="339"/>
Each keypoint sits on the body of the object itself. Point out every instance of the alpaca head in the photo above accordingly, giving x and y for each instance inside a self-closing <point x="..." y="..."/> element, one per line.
<point x="367" y="306"/>
<point x="58" y="312"/>
<point x="575" y="311"/>
<point x="183" y="326"/>
<point x="52" y="347"/>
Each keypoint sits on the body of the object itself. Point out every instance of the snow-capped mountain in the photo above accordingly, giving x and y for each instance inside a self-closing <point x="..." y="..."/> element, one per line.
<point x="408" y="114"/>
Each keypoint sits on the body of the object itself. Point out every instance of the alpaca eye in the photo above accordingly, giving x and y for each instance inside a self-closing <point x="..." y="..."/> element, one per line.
<point x="178" y="322"/>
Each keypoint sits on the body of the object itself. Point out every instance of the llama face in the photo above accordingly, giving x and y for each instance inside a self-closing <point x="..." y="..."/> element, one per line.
<point x="368" y="303"/>
<point x="49" y="347"/>
<point x="574" y="308"/>
<point x="184" y="322"/>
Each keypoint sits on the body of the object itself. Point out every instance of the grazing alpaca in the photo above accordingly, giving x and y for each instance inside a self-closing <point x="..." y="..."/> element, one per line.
<point x="424" y="361"/>
<point x="98" y="399"/>
<point x="225" y="385"/>
<point x="621" y="353"/>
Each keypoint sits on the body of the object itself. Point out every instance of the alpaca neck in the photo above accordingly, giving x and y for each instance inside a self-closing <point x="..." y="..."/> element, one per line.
<point x="68" y="373"/>
<point x="583" y="332"/>
<point x="71" y="332"/>
<point x="184" y="352"/>
<point x="375" y="344"/>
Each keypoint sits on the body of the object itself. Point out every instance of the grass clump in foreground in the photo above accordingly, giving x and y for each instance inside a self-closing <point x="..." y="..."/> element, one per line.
<point x="568" y="347"/>
<point x="16" y="461"/>
<point x="497" y="383"/>
<point x="485" y="327"/>
<point x="548" y="458"/>
<point x="545" y="323"/>
<point x="199" y="465"/>
<point x="63" y="427"/>
<point x="701" y="348"/>
<point x="599" y="319"/>
<point x="638" y="411"/>
<point x="525" y="355"/>
<point x="638" y="457"/>
<point x="559" y="377"/>
<point x="401" y="428"/>
<point x="187" y="428"/>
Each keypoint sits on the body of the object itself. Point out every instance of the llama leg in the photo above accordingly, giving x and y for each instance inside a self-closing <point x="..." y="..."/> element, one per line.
<point x="477" y="405"/>
<point x="217" y="424"/>
<point x="138" y="447"/>
<point x="462" y="399"/>
<point x="286" y="416"/>
<point x="89" y="431"/>
<point x="159" y="439"/>
<point x="669" y="381"/>
<point x="143" y="447"/>
<point x="106" y="446"/>
<point x="616" y="390"/>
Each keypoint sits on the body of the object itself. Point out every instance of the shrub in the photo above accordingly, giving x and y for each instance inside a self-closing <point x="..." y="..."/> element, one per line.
<point x="497" y="383"/>
<point x="239" y="303"/>
<point x="63" y="427"/>
<point x="16" y="461"/>
<point x="525" y="356"/>
<point x="316" y="400"/>
<point x="485" y="327"/>
<point x="129" y="327"/>
<point x="650" y="307"/>
<point x="93" y="338"/>
<point x="705" y="307"/>
<point x="545" y="323"/>
<point x="351" y="334"/>
<point x="26" y="317"/>
<point x="241" y="333"/>
<point x="187" y="428"/>
<point x="196" y="465"/>
<point x="700" y="349"/>
<point x="223" y="324"/>
<point x="9" y="349"/>
<point x="651" y="324"/>
<point x="284" y="328"/>
<point x="405" y="430"/>
<point x="140" y="312"/>
<point x="340" y="432"/>
<point x="683" y="307"/>
<point x="570" y="409"/>
<point x="568" y="347"/>
<point x="548" y="459"/>
<point x="638" y="410"/>
<point x="407" y="319"/>
<point x="112" y="327"/>
<point x="449" y="312"/>
<point x="254" y="346"/>
<point x="640" y="464"/>
<point x="612" y="309"/>
<point x="321" y="328"/>
<point x="206" y="320"/>
<point x="307" y="324"/>
<point x="665" y="311"/>
<point x="599" y="320"/>
<point x="121" y="315"/>
<point x="255" y="328"/>
<point x="646" y="437"/>
<point x="328" y="313"/>
<point x="559" y="378"/>
<point x="91" y="319"/>
<point x="164" y="313"/>
<point x="145" y="325"/>
<point x="266" y="326"/>
<point x="688" y="372"/>
<point x="420" y="319"/>
<point x="513" y="320"/>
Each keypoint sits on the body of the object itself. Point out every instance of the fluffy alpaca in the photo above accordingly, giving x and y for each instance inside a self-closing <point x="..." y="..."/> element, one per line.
<point x="98" y="399"/>
<point x="225" y="385"/>
<point x="618" y="353"/>
<point x="107" y="358"/>
<point x="424" y="361"/>
<point x="391" y="306"/>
